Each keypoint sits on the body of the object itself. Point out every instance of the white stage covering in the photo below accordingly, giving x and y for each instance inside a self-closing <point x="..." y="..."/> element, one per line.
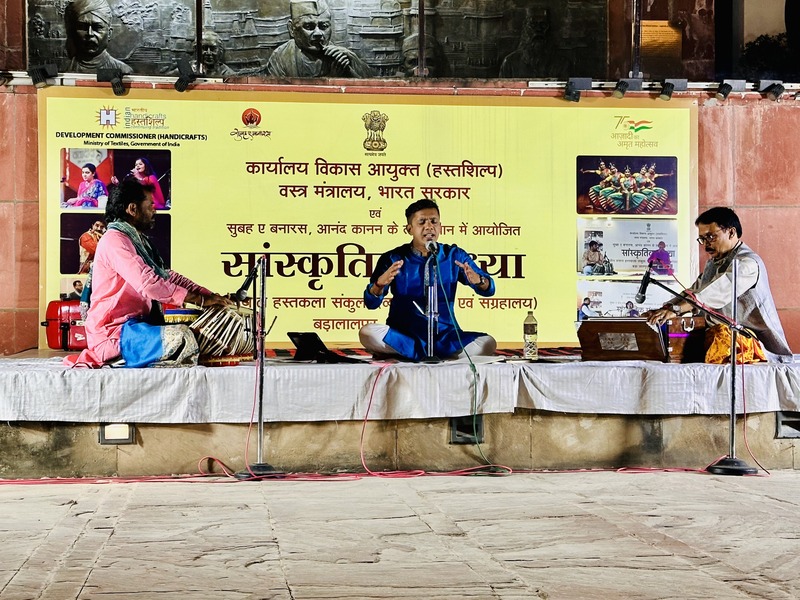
<point x="41" y="389"/>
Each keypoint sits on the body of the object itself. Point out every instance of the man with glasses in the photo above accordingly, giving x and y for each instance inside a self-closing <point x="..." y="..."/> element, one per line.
<point x="719" y="231"/>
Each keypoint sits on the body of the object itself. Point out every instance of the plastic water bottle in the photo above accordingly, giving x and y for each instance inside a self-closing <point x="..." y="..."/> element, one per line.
<point x="530" y="337"/>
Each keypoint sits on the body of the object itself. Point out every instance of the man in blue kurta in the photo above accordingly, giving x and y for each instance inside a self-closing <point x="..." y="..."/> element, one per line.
<point x="402" y="271"/>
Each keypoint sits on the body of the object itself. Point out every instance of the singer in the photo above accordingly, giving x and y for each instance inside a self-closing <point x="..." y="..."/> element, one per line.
<point x="127" y="283"/>
<point x="144" y="173"/>
<point x="402" y="271"/>
<point x="719" y="231"/>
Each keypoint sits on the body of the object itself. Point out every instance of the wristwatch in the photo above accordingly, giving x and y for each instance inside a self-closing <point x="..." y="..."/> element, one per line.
<point x="676" y="308"/>
<point x="481" y="281"/>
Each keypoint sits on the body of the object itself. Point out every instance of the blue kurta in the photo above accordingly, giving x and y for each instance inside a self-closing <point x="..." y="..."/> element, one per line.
<point x="408" y="323"/>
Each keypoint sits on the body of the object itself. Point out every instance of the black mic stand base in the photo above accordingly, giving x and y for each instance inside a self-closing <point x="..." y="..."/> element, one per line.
<point x="257" y="471"/>
<point x="431" y="360"/>
<point x="728" y="465"/>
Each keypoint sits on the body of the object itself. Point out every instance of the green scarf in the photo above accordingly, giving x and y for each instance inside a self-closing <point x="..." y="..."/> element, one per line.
<point x="143" y="247"/>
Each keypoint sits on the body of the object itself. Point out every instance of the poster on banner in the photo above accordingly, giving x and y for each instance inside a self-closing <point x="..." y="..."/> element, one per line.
<point x="617" y="298"/>
<point x="631" y="244"/>
<point x="316" y="185"/>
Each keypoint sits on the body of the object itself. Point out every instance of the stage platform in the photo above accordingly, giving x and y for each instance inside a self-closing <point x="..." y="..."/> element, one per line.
<point x="556" y="413"/>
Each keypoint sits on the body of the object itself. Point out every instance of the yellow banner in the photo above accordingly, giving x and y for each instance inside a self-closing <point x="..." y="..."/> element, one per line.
<point x="318" y="184"/>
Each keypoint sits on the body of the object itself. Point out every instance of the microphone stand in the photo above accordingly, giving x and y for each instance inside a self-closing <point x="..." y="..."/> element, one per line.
<point x="432" y="308"/>
<point x="727" y="465"/>
<point x="260" y="469"/>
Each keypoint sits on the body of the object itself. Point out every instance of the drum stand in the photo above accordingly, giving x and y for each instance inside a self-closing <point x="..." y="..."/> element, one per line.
<point x="432" y="308"/>
<point x="727" y="465"/>
<point x="260" y="469"/>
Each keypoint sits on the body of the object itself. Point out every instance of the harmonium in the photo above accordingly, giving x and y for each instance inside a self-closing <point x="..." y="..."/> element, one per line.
<point x="685" y="338"/>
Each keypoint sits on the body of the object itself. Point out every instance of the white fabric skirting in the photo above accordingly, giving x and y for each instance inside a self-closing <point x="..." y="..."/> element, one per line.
<point x="41" y="389"/>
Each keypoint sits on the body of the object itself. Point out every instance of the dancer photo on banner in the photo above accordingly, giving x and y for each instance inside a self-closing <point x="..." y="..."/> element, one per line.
<point x="628" y="185"/>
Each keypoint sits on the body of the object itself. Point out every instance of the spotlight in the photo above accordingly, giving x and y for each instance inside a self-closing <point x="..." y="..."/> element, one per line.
<point x="673" y="85"/>
<point x="728" y="86"/>
<point x="626" y="85"/>
<point x="40" y="73"/>
<point x="775" y="91"/>
<point x="5" y="77"/>
<point x="572" y="91"/>
<point x="772" y="88"/>
<point x="186" y="74"/>
<point x="114" y="77"/>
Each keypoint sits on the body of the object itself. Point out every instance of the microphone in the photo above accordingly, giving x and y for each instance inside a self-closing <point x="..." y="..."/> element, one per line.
<point x="240" y="295"/>
<point x="431" y="246"/>
<point x="640" y="295"/>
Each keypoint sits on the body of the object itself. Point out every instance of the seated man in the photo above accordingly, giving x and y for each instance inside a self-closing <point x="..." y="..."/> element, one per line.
<point x="402" y="271"/>
<point x="660" y="260"/>
<point x="719" y="231"/>
<point x="592" y="258"/>
<point x="585" y="310"/>
<point x="127" y="282"/>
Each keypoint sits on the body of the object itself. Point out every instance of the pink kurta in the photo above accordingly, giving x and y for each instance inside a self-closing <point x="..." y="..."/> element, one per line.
<point x="123" y="286"/>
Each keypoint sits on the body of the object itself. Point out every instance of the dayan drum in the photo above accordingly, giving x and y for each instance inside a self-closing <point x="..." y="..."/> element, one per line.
<point x="223" y="331"/>
<point x="686" y="339"/>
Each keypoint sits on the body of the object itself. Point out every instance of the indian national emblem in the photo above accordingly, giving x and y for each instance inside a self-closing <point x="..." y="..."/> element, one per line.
<point x="375" y="123"/>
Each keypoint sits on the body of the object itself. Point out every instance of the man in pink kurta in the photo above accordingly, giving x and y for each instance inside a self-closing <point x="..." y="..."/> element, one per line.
<point x="124" y="285"/>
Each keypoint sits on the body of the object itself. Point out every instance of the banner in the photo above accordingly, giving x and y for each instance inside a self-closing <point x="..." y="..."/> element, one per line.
<point x="318" y="185"/>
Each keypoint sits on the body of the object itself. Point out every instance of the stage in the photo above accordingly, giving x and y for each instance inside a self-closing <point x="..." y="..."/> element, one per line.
<point x="306" y="405"/>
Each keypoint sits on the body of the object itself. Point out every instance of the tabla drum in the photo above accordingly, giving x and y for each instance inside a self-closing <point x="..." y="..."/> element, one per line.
<point x="181" y="316"/>
<point x="223" y="331"/>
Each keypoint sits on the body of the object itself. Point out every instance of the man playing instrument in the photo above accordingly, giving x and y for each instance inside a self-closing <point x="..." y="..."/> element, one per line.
<point x="719" y="231"/>
<point x="128" y="283"/>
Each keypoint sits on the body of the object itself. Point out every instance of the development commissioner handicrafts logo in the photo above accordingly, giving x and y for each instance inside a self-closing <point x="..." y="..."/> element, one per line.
<point x="630" y="131"/>
<point x="251" y="119"/>
<point x="375" y="124"/>
<point x="107" y="117"/>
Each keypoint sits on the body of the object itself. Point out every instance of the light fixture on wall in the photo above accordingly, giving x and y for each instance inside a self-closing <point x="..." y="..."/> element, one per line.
<point x="186" y="74"/>
<point x="728" y="86"/>
<point x="572" y="91"/>
<point x="626" y="85"/>
<point x="114" y="77"/>
<point x="672" y="85"/>
<point x="39" y="74"/>
<point x="773" y="89"/>
<point x="5" y="78"/>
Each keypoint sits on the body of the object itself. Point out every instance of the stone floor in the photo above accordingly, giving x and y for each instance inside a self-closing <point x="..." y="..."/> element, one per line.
<point x="592" y="535"/>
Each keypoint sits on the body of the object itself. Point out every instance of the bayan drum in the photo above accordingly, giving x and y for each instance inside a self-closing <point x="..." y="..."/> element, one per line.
<point x="223" y="332"/>
<point x="181" y="316"/>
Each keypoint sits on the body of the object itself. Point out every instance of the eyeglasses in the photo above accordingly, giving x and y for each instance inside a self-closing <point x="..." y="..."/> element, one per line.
<point x="709" y="237"/>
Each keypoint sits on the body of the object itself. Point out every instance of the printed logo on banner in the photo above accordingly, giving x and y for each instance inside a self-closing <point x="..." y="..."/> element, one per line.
<point x="632" y="124"/>
<point x="251" y="118"/>
<point x="107" y="117"/>
<point x="375" y="123"/>
<point x="140" y="117"/>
